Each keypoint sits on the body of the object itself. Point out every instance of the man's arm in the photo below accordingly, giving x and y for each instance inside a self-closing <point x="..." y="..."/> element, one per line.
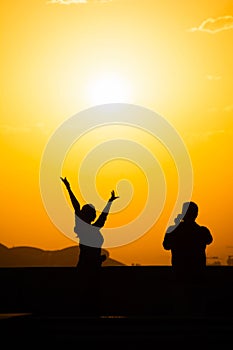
<point x="168" y="240"/>
<point x="208" y="236"/>
<point x="103" y="216"/>
<point x="73" y="199"/>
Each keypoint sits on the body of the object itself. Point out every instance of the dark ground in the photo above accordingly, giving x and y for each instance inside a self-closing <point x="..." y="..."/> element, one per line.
<point x="137" y="306"/>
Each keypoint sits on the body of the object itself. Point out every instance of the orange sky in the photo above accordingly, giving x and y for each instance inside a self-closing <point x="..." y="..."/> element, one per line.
<point x="59" y="58"/>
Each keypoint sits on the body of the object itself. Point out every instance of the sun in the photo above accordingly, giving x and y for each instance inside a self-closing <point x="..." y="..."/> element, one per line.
<point x="109" y="87"/>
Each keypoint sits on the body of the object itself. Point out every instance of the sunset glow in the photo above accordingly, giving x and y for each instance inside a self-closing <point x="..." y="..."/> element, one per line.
<point x="60" y="58"/>
<point x="108" y="88"/>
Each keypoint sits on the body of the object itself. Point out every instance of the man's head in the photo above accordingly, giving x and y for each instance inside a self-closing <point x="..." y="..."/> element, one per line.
<point x="88" y="213"/>
<point x="189" y="211"/>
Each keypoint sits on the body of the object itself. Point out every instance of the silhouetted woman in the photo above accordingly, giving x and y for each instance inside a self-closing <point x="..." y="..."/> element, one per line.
<point x="88" y="230"/>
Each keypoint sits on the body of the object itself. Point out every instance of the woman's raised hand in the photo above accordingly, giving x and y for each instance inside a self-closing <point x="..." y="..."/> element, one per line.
<point x="66" y="182"/>
<point x="113" y="197"/>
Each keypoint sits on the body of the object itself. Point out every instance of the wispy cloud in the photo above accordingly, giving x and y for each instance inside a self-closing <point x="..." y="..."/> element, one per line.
<point x="68" y="2"/>
<point x="228" y="108"/>
<point x="212" y="109"/>
<point x="213" y="77"/>
<point x="214" y="25"/>
<point x="9" y="129"/>
<point x="197" y="137"/>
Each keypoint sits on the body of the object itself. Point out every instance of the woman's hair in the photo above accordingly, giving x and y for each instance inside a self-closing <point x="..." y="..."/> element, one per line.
<point x="88" y="213"/>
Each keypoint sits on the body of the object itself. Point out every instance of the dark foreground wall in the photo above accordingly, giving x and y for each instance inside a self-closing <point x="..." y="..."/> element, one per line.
<point x="124" y="291"/>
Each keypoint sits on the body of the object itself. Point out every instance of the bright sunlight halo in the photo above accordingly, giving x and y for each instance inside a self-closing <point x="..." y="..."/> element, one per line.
<point x="109" y="88"/>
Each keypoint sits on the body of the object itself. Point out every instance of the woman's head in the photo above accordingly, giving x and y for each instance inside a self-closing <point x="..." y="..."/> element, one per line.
<point x="88" y="213"/>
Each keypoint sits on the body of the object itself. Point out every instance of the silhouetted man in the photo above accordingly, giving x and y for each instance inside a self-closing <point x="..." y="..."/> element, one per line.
<point x="187" y="241"/>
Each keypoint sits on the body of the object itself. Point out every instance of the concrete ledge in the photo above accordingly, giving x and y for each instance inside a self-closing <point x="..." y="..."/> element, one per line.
<point x="124" y="291"/>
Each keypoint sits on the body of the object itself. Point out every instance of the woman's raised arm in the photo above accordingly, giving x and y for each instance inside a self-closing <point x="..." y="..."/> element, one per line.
<point x="73" y="199"/>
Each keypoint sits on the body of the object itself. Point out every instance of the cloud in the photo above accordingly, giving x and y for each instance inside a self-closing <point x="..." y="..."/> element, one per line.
<point x="212" y="109"/>
<point x="198" y="137"/>
<point x="68" y="2"/>
<point x="214" y="25"/>
<point x="228" y="108"/>
<point x="213" y="77"/>
<point x="9" y="129"/>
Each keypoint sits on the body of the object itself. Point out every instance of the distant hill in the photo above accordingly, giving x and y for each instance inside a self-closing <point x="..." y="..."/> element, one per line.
<point x="29" y="256"/>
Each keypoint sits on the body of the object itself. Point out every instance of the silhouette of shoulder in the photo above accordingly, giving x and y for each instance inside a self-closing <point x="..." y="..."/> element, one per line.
<point x="183" y="232"/>
<point x="205" y="232"/>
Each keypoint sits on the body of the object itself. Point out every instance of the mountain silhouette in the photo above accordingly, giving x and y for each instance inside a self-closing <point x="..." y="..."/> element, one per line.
<point x="24" y="256"/>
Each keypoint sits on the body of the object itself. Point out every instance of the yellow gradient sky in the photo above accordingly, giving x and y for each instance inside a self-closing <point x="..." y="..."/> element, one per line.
<point x="59" y="58"/>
